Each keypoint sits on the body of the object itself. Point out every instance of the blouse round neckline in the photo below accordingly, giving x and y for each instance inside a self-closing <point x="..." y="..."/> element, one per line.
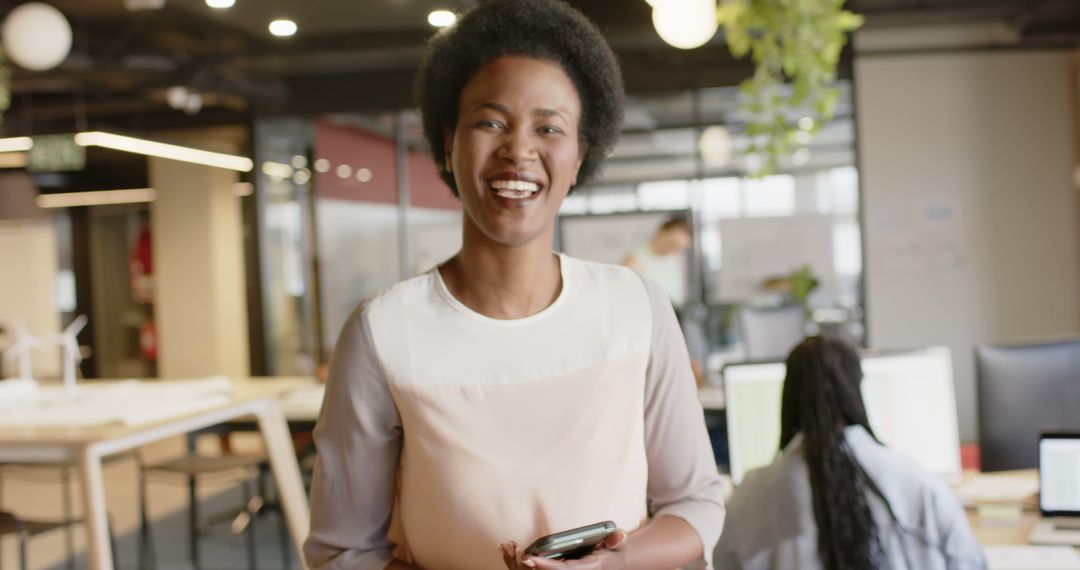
<point x="543" y="313"/>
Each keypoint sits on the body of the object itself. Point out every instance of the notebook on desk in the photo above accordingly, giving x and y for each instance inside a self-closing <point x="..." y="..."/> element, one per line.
<point x="1059" y="494"/>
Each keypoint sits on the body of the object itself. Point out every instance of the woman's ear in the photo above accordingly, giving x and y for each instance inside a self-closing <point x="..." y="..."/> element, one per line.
<point x="582" y="148"/>
<point x="577" y="167"/>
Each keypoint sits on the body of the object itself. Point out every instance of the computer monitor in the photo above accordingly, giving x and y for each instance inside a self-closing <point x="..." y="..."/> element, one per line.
<point x="1059" y="474"/>
<point x="1024" y="390"/>
<point x="909" y="398"/>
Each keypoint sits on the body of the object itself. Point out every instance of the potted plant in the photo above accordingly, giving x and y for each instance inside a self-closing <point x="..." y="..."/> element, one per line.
<point x="796" y="41"/>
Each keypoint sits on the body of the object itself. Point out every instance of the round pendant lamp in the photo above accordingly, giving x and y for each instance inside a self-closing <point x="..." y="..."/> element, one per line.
<point x="36" y="36"/>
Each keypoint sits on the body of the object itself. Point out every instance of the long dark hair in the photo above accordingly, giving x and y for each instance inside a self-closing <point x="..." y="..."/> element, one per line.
<point x="821" y="397"/>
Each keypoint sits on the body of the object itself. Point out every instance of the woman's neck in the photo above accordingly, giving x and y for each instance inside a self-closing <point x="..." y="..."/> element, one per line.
<point x="504" y="282"/>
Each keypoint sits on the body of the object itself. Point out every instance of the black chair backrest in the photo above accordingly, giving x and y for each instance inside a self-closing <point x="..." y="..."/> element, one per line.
<point x="1025" y="389"/>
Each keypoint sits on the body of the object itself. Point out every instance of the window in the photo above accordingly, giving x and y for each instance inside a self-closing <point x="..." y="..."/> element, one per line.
<point x="770" y="196"/>
<point x="838" y="191"/>
<point x="721" y="198"/>
<point x="667" y="195"/>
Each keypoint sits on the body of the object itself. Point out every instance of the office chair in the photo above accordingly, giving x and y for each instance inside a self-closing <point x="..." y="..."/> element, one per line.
<point x="1024" y="389"/>
<point x="771" y="333"/>
<point x="26" y="529"/>
<point x="35" y="472"/>
<point x="193" y="466"/>
<point x="61" y="473"/>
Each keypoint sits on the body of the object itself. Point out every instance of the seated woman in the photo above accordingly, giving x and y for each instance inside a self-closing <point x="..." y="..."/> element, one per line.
<point x="836" y="498"/>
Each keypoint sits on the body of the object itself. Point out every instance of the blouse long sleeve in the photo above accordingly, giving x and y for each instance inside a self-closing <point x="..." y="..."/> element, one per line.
<point x="683" y="480"/>
<point x="358" y="437"/>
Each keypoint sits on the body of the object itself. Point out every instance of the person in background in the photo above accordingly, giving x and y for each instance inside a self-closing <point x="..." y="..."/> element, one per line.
<point x="836" y="498"/>
<point x="662" y="258"/>
<point x="512" y="392"/>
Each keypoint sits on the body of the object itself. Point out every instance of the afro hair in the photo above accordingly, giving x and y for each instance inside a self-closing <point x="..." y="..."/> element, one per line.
<point x="542" y="29"/>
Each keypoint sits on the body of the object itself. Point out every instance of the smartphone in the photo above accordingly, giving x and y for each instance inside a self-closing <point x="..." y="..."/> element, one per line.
<point x="571" y="544"/>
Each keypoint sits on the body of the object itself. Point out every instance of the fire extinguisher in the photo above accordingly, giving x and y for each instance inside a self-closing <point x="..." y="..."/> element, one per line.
<point x="148" y="341"/>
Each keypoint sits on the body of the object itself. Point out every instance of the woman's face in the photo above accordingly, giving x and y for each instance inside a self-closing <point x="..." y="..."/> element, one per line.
<point x="514" y="153"/>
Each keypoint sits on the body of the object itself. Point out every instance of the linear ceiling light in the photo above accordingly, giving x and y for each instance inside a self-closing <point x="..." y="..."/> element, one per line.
<point x="16" y="144"/>
<point x="97" y="198"/>
<point x="163" y="150"/>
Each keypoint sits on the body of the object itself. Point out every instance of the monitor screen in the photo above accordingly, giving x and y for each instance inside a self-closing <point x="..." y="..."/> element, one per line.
<point x="909" y="400"/>
<point x="752" y="394"/>
<point x="1059" y="474"/>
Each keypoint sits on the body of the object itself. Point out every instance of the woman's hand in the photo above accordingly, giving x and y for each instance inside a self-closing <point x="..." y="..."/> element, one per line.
<point x="606" y="556"/>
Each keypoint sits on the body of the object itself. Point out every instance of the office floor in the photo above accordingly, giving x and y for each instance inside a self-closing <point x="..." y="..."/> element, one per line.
<point x="40" y="497"/>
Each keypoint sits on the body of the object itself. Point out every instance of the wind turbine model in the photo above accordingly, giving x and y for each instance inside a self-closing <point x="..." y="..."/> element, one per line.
<point x="19" y="351"/>
<point x="69" y="343"/>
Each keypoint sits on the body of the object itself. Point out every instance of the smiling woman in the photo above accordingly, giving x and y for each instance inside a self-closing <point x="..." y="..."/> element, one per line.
<point x="512" y="392"/>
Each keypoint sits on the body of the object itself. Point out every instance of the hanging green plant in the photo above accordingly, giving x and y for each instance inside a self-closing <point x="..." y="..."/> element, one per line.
<point x="796" y="41"/>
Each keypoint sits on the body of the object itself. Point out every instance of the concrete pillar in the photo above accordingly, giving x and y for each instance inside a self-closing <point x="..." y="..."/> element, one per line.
<point x="199" y="289"/>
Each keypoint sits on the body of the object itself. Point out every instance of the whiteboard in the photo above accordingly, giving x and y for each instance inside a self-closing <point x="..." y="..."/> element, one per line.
<point x="609" y="238"/>
<point x="756" y="249"/>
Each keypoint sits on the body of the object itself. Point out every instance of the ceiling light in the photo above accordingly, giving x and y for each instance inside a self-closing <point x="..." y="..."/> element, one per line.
<point x="363" y="175"/>
<point x="806" y="123"/>
<point x="801" y="156"/>
<point x="344" y="171"/>
<point x="283" y="28"/>
<point x="322" y="165"/>
<point x="163" y="150"/>
<point x="442" y="18"/>
<point x="302" y="176"/>
<point x="220" y="4"/>
<point x="193" y="104"/>
<point x="687" y="24"/>
<point x="277" y="170"/>
<point x="136" y="5"/>
<point x="98" y="198"/>
<point x="803" y="137"/>
<point x="16" y="144"/>
<point x="298" y="161"/>
<point x="36" y="36"/>
<point x="715" y="146"/>
<point x="176" y="96"/>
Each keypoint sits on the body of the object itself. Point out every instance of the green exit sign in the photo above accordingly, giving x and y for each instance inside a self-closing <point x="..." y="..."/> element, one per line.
<point x="55" y="153"/>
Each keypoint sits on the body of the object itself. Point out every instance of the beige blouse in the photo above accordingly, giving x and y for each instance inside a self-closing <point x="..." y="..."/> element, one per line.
<point x="445" y="432"/>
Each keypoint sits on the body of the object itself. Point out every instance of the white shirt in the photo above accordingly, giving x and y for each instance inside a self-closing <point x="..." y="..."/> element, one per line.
<point x="445" y="432"/>
<point x="770" y="523"/>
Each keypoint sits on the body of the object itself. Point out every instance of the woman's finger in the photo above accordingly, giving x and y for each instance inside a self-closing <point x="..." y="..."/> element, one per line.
<point x="539" y="563"/>
<point x="509" y="555"/>
<point x="615" y="539"/>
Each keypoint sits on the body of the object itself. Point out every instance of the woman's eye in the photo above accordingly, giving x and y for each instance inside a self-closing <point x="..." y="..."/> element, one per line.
<point x="489" y="124"/>
<point x="549" y="130"/>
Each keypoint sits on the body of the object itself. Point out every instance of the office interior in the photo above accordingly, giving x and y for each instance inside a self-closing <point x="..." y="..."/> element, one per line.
<point x="937" y="212"/>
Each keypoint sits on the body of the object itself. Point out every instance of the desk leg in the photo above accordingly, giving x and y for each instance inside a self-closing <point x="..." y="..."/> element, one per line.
<point x="97" y="523"/>
<point x="286" y="469"/>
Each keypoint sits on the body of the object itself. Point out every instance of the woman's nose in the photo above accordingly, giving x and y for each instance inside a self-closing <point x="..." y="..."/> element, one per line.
<point x="518" y="147"/>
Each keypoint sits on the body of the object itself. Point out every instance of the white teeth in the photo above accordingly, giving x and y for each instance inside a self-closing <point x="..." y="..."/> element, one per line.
<point x="516" y="185"/>
<point x="513" y="194"/>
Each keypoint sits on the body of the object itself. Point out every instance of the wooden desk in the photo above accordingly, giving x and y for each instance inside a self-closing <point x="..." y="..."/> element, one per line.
<point x="1007" y="533"/>
<point x="86" y="446"/>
